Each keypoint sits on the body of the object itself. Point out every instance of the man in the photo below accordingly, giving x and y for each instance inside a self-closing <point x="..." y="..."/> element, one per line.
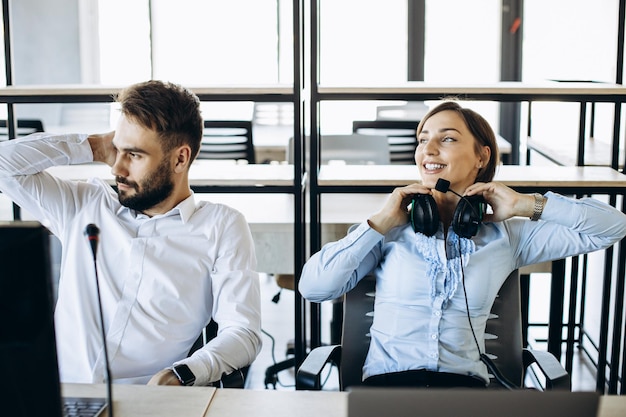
<point x="167" y="264"/>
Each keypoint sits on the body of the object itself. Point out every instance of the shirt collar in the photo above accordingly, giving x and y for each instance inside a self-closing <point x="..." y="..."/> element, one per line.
<point x="184" y="209"/>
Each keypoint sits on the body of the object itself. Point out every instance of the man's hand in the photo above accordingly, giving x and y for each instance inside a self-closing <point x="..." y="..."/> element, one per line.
<point x="164" y="377"/>
<point x="102" y="147"/>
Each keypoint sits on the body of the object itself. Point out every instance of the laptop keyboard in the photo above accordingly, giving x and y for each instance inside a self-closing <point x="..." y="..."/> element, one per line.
<point x="83" y="407"/>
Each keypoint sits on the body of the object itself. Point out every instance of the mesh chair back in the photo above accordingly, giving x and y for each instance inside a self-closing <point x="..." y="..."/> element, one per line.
<point x="227" y="139"/>
<point x="401" y="135"/>
<point x="24" y="127"/>
<point x="358" y="312"/>
<point x="503" y="334"/>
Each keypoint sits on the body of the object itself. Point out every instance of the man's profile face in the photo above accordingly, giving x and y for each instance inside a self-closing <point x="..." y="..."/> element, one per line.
<point x="149" y="191"/>
<point x="142" y="170"/>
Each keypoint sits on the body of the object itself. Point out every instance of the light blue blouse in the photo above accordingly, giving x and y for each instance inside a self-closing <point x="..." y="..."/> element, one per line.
<point x="420" y="319"/>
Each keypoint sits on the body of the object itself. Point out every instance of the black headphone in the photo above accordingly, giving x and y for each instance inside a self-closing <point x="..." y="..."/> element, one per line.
<point x="466" y="220"/>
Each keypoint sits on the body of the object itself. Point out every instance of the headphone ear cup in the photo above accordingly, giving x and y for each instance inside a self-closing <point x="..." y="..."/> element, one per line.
<point x="424" y="214"/>
<point x="468" y="216"/>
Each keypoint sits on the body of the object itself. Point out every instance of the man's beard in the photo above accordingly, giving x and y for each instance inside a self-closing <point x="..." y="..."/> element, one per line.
<point x="156" y="187"/>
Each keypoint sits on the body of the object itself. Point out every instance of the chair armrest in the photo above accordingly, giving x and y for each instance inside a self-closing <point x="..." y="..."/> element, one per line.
<point x="308" y="374"/>
<point x="556" y="376"/>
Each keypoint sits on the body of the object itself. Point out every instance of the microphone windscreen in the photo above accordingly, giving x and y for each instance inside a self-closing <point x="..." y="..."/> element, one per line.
<point x="442" y="185"/>
<point x="92" y="230"/>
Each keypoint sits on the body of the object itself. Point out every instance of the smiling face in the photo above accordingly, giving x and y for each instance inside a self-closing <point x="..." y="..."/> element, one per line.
<point x="447" y="149"/>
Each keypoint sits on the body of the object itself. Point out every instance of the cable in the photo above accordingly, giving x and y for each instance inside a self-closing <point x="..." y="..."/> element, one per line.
<point x="483" y="356"/>
<point x="273" y="341"/>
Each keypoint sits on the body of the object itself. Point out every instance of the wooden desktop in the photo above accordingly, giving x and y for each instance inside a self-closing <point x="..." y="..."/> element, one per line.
<point x="154" y="401"/>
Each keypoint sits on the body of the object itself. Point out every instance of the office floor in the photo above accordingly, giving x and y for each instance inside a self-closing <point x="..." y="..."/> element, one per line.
<point x="278" y="325"/>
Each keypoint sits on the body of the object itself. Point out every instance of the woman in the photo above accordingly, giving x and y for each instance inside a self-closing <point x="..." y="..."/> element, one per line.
<point x="421" y="335"/>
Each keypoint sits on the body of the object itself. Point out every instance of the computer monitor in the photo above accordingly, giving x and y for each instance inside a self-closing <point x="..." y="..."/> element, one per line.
<point x="28" y="364"/>
<point x="351" y="149"/>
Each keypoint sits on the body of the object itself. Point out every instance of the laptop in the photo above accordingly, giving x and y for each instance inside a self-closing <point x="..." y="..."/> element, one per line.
<point x="30" y="384"/>
<point x="405" y="402"/>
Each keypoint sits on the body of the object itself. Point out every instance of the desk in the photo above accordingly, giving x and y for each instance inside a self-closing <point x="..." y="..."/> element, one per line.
<point x="83" y="93"/>
<point x="203" y="174"/>
<point x="141" y="400"/>
<point x="148" y="401"/>
<point x="597" y="153"/>
<point x="270" y="217"/>
<point x="571" y="179"/>
<point x="244" y="403"/>
<point x="498" y="91"/>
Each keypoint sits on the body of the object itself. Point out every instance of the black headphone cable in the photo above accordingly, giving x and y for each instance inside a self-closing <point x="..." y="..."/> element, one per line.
<point x="493" y="369"/>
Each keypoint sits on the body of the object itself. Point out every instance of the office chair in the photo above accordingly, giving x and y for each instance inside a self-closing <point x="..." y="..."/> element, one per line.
<point x="401" y="135"/>
<point x="503" y="342"/>
<point x="227" y="139"/>
<point x="237" y="378"/>
<point x="24" y="127"/>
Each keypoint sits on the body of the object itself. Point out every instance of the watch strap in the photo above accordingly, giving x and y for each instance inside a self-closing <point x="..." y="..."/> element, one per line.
<point x="538" y="207"/>
<point x="184" y="374"/>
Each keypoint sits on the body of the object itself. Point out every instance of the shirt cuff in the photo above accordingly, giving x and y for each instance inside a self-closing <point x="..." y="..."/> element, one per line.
<point x="198" y="369"/>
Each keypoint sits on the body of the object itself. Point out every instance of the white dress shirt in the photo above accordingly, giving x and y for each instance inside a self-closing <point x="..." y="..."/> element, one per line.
<point x="162" y="278"/>
<point x="421" y="318"/>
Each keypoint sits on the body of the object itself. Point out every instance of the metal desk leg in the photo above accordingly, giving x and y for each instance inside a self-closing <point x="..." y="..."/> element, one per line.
<point x="555" y="323"/>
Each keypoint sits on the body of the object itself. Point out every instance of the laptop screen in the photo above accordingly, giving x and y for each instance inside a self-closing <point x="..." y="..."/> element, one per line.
<point x="405" y="402"/>
<point x="28" y="363"/>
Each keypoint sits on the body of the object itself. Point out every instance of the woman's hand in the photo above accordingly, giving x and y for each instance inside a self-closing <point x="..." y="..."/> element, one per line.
<point x="504" y="201"/>
<point x="395" y="211"/>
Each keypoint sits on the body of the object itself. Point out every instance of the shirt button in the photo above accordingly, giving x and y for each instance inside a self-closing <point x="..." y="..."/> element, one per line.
<point x="434" y="355"/>
<point x="437" y="313"/>
<point x="433" y="336"/>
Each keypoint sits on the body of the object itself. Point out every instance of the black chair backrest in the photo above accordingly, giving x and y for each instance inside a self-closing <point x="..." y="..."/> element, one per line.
<point x="358" y="311"/>
<point x="209" y="332"/>
<point x="400" y="134"/>
<point x="236" y="379"/>
<point x="227" y="139"/>
<point x="504" y="331"/>
<point x="503" y="334"/>
<point x="24" y="127"/>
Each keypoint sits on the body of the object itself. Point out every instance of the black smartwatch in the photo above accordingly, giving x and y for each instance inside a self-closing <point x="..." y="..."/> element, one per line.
<point x="184" y="374"/>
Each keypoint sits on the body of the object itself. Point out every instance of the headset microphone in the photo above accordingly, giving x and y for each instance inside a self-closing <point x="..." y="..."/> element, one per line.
<point x="443" y="186"/>
<point x="92" y="232"/>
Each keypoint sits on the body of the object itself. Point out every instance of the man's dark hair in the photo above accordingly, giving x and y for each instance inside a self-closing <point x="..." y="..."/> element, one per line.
<point x="169" y="109"/>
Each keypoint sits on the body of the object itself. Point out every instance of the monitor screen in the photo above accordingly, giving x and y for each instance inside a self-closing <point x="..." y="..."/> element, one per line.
<point x="28" y="364"/>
